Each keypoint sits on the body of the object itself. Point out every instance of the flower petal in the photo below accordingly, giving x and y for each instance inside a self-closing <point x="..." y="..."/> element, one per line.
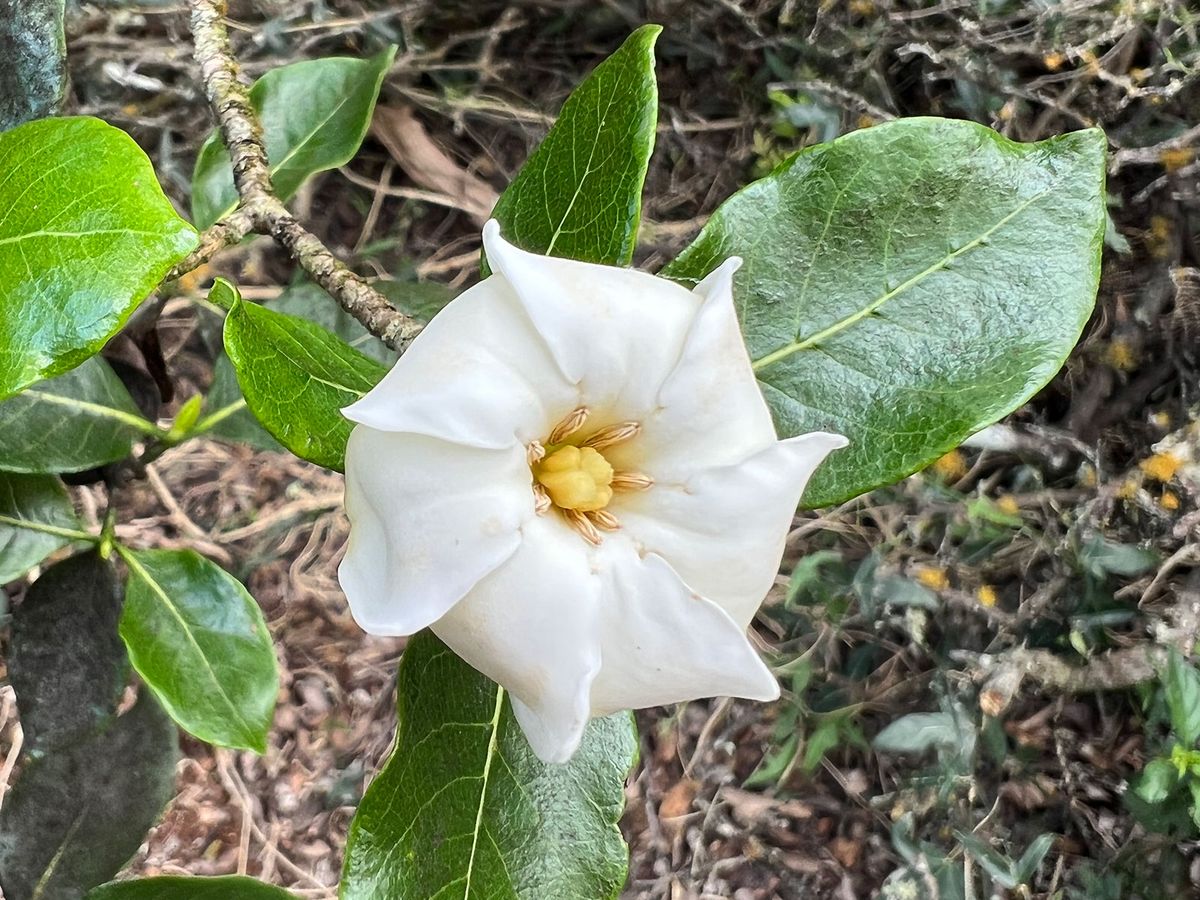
<point x="616" y="333"/>
<point x="478" y="374"/>
<point x="723" y="529"/>
<point x="710" y="410"/>
<point x="531" y="627"/>
<point x="663" y="643"/>
<point x="429" y="519"/>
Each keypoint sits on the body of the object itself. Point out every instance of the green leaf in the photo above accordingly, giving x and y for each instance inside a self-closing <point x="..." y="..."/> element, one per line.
<point x="296" y="378"/>
<point x="228" y="417"/>
<point x="36" y="518"/>
<point x="310" y="302"/>
<point x="1026" y="867"/>
<point x="918" y="732"/>
<point x="1100" y="558"/>
<point x="85" y="234"/>
<point x="74" y="422"/>
<point x="314" y="114"/>
<point x="232" y="419"/>
<point x="199" y="641"/>
<point x="908" y="284"/>
<point x="825" y="737"/>
<point x="1157" y="781"/>
<point x="996" y="864"/>
<point x="580" y="194"/>
<point x="464" y="809"/>
<point x="77" y="814"/>
<point x="1182" y="685"/>
<point x="67" y="664"/>
<point x="228" y="887"/>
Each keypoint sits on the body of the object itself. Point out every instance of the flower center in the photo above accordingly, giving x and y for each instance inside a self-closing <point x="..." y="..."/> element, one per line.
<point x="576" y="478"/>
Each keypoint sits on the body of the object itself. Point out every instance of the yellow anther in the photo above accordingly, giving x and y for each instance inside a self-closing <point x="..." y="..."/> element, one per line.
<point x="577" y="478"/>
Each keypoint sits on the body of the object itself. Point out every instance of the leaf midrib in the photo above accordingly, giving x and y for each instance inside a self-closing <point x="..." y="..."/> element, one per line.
<point x="856" y="316"/>
<point x="104" y="412"/>
<point x="492" y="749"/>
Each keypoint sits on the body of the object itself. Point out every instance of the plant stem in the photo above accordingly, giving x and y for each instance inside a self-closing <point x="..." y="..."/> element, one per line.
<point x="259" y="209"/>
<point x="72" y="533"/>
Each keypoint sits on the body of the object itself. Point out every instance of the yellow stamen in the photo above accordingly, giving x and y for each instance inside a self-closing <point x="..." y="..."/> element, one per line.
<point x="576" y="478"/>
<point x="568" y="426"/>
<point x="613" y="434"/>
<point x="632" y="481"/>
<point x="534" y="452"/>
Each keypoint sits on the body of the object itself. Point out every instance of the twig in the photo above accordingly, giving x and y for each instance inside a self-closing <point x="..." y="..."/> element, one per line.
<point x="259" y="209"/>
<point x="1004" y="672"/>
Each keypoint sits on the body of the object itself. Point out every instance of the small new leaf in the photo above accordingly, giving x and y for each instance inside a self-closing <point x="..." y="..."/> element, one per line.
<point x="1157" y="781"/>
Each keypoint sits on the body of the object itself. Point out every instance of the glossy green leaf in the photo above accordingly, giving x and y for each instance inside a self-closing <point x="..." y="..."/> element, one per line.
<point x="463" y="809"/>
<point x="85" y="234"/>
<point x="36" y="518"/>
<point x="314" y="116"/>
<point x="228" y="887"/>
<point x="76" y="815"/>
<point x="297" y="377"/>
<point x="909" y="284"/>
<point x="67" y="664"/>
<point x="74" y="422"/>
<point x="226" y="414"/>
<point x="580" y="194"/>
<point x="1182" y="684"/>
<point x="199" y="641"/>
<point x="233" y="419"/>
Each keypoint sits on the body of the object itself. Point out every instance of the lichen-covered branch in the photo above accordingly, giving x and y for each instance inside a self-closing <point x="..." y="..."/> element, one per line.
<point x="213" y="240"/>
<point x="357" y="297"/>
<point x="259" y="210"/>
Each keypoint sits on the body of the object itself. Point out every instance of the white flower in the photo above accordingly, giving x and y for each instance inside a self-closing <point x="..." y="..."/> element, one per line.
<point x="572" y="477"/>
